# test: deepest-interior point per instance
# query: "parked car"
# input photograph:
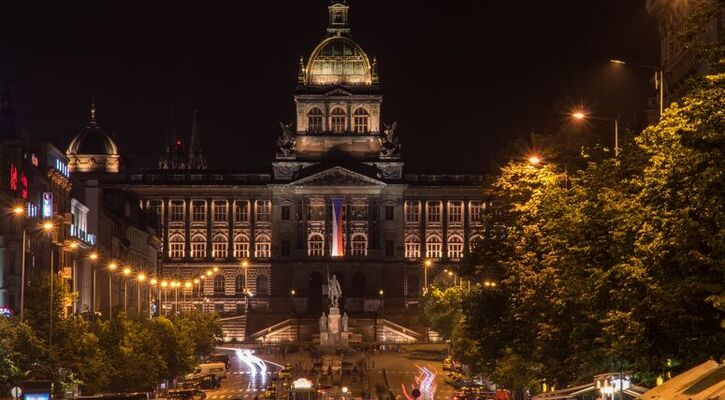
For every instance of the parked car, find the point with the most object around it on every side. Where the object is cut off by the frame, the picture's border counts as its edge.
(186, 394)
(203, 382)
(219, 369)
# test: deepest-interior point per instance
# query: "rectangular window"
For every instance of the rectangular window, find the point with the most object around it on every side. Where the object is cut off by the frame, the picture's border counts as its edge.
(476, 211)
(455, 251)
(262, 214)
(314, 123)
(359, 245)
(286, 213)
(220, 211)
(198, 250)
(338, 123)
(262, 250)
(434, 211)
(316, 248)
(241, 249)
(285, 248)
(219, 250)
(219, 307)
(389, 248)
(434, 250)
(360, 122)
(412, 250)
(455, 211)
(177, 211)
(241, 211)
(198, 211)
(412, 211)
(389, 213)
(176, 250)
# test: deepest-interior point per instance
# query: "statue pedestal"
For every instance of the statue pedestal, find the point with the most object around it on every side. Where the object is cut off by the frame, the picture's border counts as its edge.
(334, 337)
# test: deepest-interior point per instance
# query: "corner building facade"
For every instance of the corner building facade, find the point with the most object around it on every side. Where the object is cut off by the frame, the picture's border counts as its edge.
(337, 200)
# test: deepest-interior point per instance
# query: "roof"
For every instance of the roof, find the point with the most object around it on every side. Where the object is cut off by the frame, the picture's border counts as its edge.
(339, 60)
(92, 141)
(703, 382)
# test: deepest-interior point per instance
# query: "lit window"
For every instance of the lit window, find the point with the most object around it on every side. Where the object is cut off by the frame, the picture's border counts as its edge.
(316, 245)
(220, 211)
(176, 246)
(434, 211)
(239, 283)
(455, 247)
(455, 211)
(198, 246)
(338, 120)
(241, 211)
(360, 120)
(241, 246)
(359, 245)
(314, 120)
(476, 211)
(474, 241)
(263, 247)
(412, 211)
(177, 211)
(434, 247)
(262, 214)
(412, 247)
(198, 211)
(219, 284)
(219, 246)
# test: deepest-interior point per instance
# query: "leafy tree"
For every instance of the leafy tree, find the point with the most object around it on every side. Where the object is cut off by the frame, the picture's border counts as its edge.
(21, 352)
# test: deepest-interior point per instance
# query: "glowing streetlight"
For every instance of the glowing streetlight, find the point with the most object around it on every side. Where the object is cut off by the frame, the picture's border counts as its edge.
(615, 61)
(93, 256)
(209, 273)
(141, 277)
(534, 160)
(127, 271)
(196, 281)
(292, 292)
(578, 115)
(215, 269)
(48, 226)
(19, 210)
(164, 284)
(112, 266)
(153, 282)
(187, 284)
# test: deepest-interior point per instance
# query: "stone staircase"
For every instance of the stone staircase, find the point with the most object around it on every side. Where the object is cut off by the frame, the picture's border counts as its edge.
(234, 329)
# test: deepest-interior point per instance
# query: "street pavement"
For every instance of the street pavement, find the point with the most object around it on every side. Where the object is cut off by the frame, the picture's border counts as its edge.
(241, 383)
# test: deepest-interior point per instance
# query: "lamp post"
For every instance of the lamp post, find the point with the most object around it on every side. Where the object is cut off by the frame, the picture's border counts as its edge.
(20, 211)
(139, 280)
(111, 268)
(581, 115)
(381, 292)
(94, 293)
(164, 285)
(126, 273)
(48, 228)
(245, 265)
(292, 295)
(153, 282)
(187, 288)
(659, 78)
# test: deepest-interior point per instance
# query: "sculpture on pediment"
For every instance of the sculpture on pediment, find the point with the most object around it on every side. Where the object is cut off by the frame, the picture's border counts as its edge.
(286, 141)
(389, 143)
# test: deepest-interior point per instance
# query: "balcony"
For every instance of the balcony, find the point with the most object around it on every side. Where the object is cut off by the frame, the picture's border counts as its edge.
(83, 236)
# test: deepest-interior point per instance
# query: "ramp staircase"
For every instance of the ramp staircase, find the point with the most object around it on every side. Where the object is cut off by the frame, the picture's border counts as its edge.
(234, 328)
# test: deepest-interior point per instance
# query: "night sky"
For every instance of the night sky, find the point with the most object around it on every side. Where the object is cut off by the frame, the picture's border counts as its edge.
(464, 79)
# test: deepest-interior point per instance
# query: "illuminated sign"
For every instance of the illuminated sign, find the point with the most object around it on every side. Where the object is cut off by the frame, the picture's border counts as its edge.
(302, 383)
(32, 210)
(47, 206)
(24, 186)
(61, 167)
(13, 177)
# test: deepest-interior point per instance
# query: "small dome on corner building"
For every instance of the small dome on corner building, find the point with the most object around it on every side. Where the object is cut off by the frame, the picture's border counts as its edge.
(93, 150)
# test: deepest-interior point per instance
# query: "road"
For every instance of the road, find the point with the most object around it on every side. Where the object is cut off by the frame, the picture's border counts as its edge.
(244, 381)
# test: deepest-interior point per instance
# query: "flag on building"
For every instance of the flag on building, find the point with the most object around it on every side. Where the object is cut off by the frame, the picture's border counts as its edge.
(338, 245)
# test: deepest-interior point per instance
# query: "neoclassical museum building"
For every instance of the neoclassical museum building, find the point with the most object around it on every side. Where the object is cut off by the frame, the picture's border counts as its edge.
(336, 199)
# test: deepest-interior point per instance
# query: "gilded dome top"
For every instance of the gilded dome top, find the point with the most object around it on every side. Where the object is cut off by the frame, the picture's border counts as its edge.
(338, 60)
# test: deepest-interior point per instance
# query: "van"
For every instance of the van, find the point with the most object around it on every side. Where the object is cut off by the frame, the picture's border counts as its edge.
(219, 369)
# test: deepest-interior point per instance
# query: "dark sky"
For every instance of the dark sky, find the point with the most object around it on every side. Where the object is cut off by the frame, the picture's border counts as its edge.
(464, 79)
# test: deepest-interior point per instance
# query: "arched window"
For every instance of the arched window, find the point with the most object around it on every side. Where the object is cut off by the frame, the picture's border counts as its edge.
(434, 247)
(412, 246)
(219, 246)
(314, 120)
(241, 246)
(360, 121)
(474, 241)
(455, 247)
(359, 245)
(176, 246)
(316, 245)
(338, 120)
(198, 246)
(239, 284)
(263, 246)
(262, 285)
(219, 284)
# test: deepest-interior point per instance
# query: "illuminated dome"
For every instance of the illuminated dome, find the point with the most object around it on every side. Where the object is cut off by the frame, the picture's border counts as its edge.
(92, 141)
(339, 61)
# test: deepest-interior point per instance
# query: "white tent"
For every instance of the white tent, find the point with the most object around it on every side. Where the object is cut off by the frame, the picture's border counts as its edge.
(703, 382)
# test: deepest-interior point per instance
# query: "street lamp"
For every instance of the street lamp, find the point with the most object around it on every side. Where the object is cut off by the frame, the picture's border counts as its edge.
(153, 282)
(534, 160)
(381, 292)
(126, 273)
(20, 211)
(164, 285)
(580, 115)
(659, 78)
(93, 256)
(245, 265)
(48, 228)
(426, 264)
(112, 267)
(187, 288)
(139, 278)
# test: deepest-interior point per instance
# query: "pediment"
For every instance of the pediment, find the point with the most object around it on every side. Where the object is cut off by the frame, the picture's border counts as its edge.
(338, 92)
(337, 176)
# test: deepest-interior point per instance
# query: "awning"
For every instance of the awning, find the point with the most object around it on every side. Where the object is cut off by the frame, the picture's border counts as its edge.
(703, 382)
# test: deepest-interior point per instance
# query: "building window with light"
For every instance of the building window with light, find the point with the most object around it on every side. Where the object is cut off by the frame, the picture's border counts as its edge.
(476, 211)
(220, 211)
(455, 247)
(219, 284)
(455, 211)
(198, 211)
(338, 120)
(412, 247)
(241, 246)
(241, 211)
(176, 246)
(316, 245)
(314, 120)
(412, 212)
(359, 245)
(263, 247)
(262, 214)
(360, 121)
(434, 211)
(177, 211)
(219, 246)
(434, 247)
(198, 246)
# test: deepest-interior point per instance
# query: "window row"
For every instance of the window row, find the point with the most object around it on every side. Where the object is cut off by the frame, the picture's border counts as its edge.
(220, 210)
(220, 246)
(316, 245)
(433, 211)
(434, 246)
(240, 286)
(338, 120)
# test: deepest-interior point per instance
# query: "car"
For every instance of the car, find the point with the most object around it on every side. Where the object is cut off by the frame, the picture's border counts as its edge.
(218, 368)
(448, 364)
(186, 394)
(210, 381)
(286, 372)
